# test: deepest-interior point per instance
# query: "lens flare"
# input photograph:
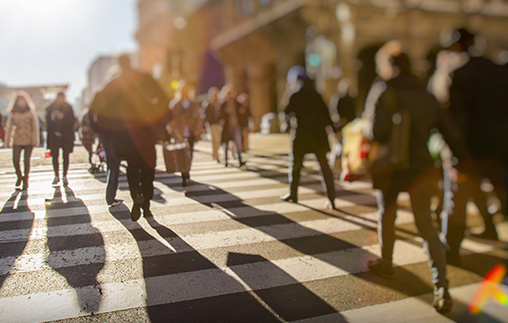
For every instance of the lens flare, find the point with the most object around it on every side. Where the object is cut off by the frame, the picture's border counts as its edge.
(489, 288)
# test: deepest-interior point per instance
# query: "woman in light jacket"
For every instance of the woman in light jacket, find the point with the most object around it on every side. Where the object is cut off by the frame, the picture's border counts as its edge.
(22, 134)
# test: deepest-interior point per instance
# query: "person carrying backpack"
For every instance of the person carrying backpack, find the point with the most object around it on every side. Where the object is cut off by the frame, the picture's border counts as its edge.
(404, 114)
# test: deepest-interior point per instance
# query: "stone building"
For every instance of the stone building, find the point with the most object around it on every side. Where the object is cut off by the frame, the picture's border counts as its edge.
(251, 44)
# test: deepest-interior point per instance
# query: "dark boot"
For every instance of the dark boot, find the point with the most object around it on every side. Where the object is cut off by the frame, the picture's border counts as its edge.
(136, 207)
(442, 301)
(289, 198)
(146, 209)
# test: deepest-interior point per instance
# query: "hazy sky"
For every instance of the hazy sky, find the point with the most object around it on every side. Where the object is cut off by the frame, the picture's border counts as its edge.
(55, 41)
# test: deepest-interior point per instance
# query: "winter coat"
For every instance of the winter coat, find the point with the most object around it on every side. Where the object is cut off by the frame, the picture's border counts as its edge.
(227, 118)
(406, 93)
(60, 122)
(212, 112)
(22, 130)
(310, 119)
(134, 109)
(183, 116)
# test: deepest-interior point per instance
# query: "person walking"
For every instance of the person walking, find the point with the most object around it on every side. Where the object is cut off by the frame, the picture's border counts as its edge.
(60, 122)
(231, 127)
(403, 115)
(310, 121)
(476, 100)
(139, 112)
(186, 122)
(211, 111)
(244, 117)
(22, 135)
(104, 119)
(87, 135)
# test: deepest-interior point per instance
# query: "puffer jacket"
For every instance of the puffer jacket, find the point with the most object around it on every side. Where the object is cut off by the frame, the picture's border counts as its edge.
(22, 130)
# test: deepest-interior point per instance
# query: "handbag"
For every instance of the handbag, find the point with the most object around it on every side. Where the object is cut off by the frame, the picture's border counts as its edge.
(177, 156)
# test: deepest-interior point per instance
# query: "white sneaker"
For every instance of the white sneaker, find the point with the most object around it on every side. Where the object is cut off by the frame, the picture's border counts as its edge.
(116, 203)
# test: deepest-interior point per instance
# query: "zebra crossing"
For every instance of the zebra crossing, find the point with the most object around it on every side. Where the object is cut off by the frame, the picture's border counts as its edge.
(223, 249)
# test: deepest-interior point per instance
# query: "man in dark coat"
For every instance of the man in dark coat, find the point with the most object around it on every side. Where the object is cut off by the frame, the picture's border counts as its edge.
(404, 100)
(310, 120)
(60, 123)
(104, 112)
(135, 111)
(478, 102)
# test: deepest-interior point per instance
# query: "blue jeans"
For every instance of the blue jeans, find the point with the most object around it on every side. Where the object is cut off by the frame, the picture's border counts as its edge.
(113, 163)
(420, 189)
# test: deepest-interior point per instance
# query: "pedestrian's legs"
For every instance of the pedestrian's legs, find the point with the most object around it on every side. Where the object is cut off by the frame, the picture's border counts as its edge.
(65, 156)
(226, 144)
(26, 157)
(454, 219)
(113, 164)
(215, 131)
(16, 156)
(134, 178)
(89, 149)
(55, 155)
(420, 202)
(134, 161)
(421, 193)
(148, 172)
(237, 138)
(245, 136)
(387, 208)
(294, 173)
(327, 177)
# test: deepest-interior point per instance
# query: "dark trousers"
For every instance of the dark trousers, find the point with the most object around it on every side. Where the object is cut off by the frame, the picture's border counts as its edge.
(141, 172)
(16, 158)
(55, 154)
(420, 190)
(454, 209)
(191, 141)
(296, 167)
(113, 163)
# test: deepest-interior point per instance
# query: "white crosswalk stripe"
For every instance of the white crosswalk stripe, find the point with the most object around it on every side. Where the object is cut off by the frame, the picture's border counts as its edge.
(226, 236)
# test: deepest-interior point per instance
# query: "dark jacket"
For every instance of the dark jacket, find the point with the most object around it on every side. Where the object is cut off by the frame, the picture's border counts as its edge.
(226, 116)
(182, 117)
(60, 122)
(405, 92)
(311, 117)
(479, 105)
(134, 108)
(212, 112)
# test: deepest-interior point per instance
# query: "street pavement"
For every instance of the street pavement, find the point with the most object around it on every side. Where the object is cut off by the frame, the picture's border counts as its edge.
(223, 249)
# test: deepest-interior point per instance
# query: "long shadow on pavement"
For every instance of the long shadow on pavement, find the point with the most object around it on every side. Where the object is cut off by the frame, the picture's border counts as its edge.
(317, 244)
(83, 278)
(17, 203)
(184, 286)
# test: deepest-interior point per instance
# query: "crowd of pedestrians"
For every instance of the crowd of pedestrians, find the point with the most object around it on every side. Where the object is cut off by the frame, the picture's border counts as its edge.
(132, 113)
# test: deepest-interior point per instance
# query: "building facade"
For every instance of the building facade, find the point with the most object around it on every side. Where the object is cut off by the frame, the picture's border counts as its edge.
(251, 44)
